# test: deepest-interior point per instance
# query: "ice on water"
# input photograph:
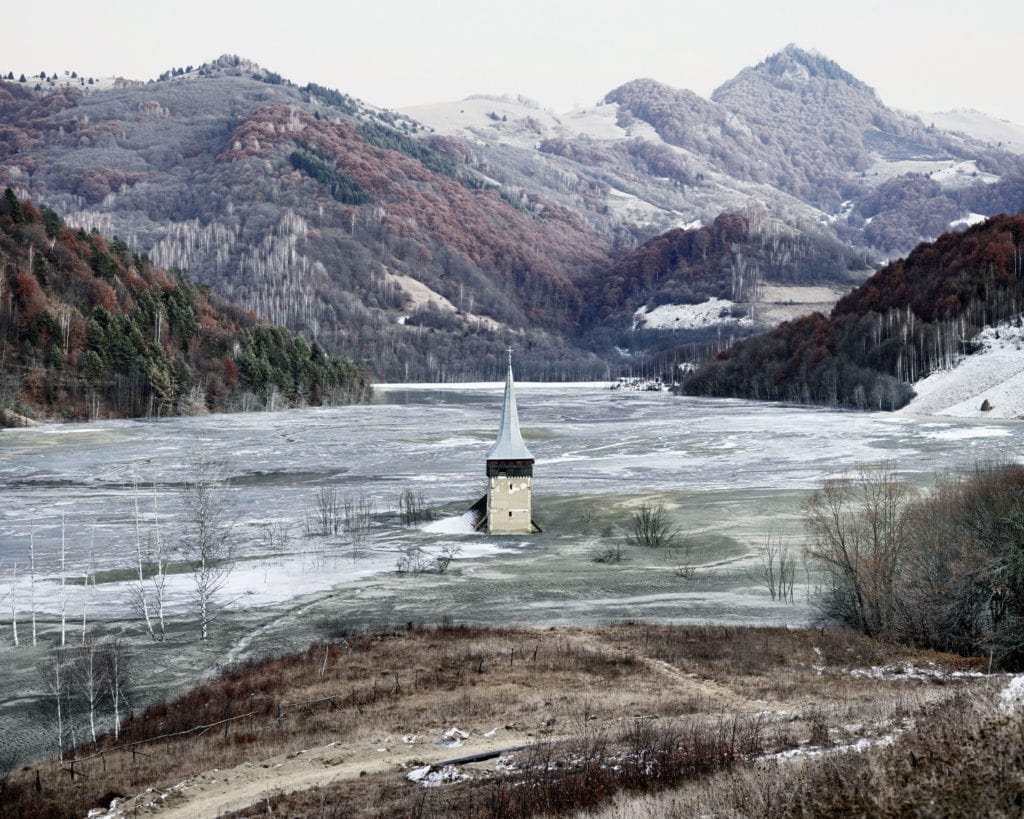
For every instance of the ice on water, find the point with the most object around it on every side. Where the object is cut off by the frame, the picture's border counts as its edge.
(587, 440)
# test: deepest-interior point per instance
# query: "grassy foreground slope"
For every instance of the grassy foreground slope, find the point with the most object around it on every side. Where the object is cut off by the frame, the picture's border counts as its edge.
(607, 716)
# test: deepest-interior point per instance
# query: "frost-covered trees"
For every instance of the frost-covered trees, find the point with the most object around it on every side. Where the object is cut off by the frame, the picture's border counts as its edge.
(207, 544)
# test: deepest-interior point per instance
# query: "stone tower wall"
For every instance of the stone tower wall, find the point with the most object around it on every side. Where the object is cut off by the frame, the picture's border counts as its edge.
(509, 508)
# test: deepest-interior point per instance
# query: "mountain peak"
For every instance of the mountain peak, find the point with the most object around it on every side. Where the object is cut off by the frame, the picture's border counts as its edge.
(795, 64)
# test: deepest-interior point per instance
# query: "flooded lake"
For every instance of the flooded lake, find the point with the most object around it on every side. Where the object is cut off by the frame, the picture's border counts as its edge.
(728, 470)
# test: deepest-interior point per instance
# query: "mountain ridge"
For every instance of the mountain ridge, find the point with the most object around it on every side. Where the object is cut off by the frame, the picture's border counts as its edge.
(318, 210)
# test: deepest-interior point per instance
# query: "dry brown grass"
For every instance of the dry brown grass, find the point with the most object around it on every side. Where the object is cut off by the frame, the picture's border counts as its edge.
(963, 757)
(569, 684)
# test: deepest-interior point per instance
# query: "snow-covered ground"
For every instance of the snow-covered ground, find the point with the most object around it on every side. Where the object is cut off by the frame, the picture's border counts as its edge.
(631, 207)
(688, 316)
(967, 221)
(995, 374)
(522, 122)
(950, 173)
(996, 132)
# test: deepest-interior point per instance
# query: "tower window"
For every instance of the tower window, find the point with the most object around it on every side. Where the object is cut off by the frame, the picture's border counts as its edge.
(510, 487)
(510, 514)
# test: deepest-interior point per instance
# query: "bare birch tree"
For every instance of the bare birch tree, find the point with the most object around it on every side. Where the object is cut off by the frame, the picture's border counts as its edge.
(63, 581)
(88, 677)
(159, 578)
(140, 598)
(54, 674)
(13, 594)
(206, 543)
(32, 578)
(117, 676)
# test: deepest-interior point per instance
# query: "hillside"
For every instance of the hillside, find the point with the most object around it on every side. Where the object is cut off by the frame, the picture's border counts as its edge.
(387, 724)
(89, 329)
(308, 207)
(421, 243)
(914, 317)
(796, 133)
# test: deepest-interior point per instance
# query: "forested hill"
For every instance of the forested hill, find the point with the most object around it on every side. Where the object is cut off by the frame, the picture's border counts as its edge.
(914, 316)
(89, 329)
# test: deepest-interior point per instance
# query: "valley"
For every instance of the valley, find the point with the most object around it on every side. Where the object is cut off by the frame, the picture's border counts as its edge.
(244, 580)
(319, 211)
(729, 473)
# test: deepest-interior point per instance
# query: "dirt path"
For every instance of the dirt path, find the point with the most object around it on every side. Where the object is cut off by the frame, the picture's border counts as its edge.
(219, 791)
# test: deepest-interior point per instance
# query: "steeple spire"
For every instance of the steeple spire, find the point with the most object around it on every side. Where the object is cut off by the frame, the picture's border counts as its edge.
(510, 445)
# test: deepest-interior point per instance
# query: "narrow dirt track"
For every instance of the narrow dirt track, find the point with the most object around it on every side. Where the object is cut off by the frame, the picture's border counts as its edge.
(221, 791)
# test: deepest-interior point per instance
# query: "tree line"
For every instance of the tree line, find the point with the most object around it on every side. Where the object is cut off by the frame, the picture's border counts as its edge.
(90, 329)
(913, 317)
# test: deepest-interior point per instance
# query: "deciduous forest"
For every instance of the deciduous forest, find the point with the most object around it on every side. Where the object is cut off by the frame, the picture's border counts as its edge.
(89, 329)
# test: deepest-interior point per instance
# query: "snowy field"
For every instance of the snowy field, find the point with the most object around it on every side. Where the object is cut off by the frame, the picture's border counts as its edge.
(714, 311)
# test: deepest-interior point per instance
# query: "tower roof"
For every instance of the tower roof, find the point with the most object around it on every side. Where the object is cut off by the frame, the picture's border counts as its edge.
(509, 446)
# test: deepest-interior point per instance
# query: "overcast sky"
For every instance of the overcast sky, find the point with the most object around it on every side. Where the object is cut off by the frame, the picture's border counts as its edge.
(918, 55)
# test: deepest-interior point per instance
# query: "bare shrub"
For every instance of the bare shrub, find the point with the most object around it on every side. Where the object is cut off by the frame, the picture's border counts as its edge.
(444, 558)
(412, 560)
(611, 552)
(856, 538)
(274, 535)
(324, 517)
(207, 544)
(651, 527)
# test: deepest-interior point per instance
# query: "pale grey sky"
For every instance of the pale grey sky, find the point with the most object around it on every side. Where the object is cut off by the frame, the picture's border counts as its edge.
(918, 55)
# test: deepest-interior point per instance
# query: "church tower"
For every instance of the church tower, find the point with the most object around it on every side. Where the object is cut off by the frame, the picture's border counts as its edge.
(509, 472)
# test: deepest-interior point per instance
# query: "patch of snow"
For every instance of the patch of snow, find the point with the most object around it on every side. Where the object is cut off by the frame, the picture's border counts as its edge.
(912, 672)
(712, 312)
(455, 525)
(418, 774)
(949, 173)
(1012, 697)
(521, 122)
(627, 206)
(961, 174)
(968, 220)
(452, 738)
(998, 133)
(420, 295)
(995, 373)
(430, 777)
(857, 746)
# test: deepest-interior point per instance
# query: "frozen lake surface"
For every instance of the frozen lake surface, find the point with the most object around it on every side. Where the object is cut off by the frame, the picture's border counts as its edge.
(588, 441)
